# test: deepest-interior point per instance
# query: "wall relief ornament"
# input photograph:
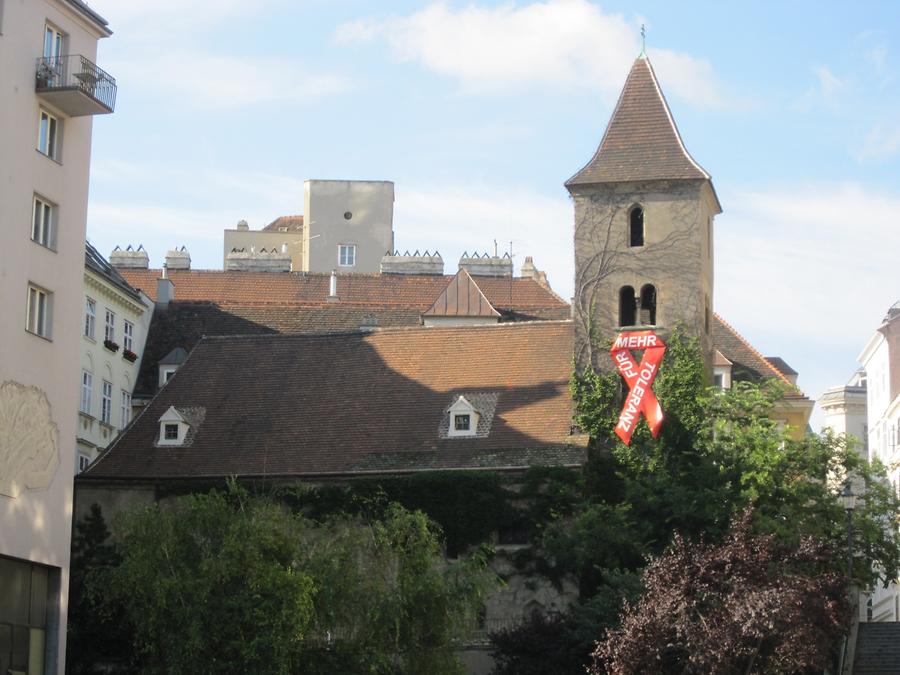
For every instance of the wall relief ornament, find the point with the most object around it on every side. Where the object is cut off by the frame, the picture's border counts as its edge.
(29, 455)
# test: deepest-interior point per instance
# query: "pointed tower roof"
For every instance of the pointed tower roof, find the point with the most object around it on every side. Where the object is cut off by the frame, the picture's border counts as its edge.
(641, 141)
(462, 297)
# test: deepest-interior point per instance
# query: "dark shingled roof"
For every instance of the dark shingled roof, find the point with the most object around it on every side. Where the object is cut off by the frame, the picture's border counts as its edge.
(100, 265)
(294, 405)
(641, 141)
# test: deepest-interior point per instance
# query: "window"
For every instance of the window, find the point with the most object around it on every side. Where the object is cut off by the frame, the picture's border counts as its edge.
(42, 221)
(173, 428)
(90, 317)
(636, 227)
(109, 333)
(53, 42)
(706, 314)
(171, 432)
(648, 305)
(126, 408)
(87, 385)
(83, 462)
(40, 307)
(167, 374)
(128, 340)
(627, 306)
(719, 380)
(462, 422)
(463, 418)
(48, 135)
(26, 603)
(347, 255)
(106, 402)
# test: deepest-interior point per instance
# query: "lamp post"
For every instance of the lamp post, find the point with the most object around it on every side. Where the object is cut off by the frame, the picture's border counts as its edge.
(848, 501)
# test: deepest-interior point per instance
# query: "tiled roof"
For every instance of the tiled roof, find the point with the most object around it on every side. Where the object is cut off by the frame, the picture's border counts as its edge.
(462, 297)
(293, 405)
(748, 364)
(641, 141)
(93, 260)
(292, 223)
(298, 288)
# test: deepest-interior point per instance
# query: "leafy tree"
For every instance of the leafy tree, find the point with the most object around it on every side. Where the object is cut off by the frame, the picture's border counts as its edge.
(225, 582)
(718, 454)
(747, 605)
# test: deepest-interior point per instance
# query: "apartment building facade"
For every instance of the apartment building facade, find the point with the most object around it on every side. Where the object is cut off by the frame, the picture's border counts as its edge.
(116, 320)
(51, 89)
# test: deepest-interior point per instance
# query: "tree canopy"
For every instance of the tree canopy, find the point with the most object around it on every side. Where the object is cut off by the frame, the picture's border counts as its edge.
(228, 582)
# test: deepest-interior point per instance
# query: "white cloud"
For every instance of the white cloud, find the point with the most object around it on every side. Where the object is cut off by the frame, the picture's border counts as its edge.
(882, 141)
(808, 273)
(561, 44)
(827, 91)
(225, 82)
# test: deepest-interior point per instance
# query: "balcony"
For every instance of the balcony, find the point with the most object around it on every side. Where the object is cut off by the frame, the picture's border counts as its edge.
(75, 85)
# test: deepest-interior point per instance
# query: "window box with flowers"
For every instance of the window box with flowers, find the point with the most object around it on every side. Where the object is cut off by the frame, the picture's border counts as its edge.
(129, 355)
(110, 345)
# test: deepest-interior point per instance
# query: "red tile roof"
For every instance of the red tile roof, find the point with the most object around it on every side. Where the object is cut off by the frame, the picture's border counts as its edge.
(292, 223)
(298, 288)
(349, 403)
(641, 141)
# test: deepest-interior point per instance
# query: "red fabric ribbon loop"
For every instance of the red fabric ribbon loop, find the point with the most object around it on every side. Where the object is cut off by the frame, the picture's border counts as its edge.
(641, 398)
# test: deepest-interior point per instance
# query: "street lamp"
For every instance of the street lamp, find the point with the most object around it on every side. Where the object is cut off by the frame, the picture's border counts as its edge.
(848, 501)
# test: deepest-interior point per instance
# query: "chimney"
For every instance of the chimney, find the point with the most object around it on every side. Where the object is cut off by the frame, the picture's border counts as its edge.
(415, 263)
(165, 290)
(130, 258)
(178, 259)
(487, 265)
(332, 288)
(528, 269)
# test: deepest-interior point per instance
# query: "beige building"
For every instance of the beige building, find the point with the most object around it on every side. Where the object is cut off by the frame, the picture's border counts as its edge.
(347, 227)
(50, 88)
(116, 320)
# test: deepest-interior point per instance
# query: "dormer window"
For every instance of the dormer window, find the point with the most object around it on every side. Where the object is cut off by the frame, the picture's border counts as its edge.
(463, 418)
(173, 428)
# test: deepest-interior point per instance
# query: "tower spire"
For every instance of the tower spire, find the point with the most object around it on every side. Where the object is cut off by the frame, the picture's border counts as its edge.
(643, 53)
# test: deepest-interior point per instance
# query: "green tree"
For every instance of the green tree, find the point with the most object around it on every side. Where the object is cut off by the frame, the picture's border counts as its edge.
(225, 582)
(718, 454)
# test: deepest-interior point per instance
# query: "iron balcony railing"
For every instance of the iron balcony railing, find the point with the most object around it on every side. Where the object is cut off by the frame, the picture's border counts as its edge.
(75, 72)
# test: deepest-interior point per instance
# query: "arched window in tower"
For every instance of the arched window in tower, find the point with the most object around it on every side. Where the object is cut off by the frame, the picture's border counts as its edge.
(636, 227)
(648, 305)
(627, 306)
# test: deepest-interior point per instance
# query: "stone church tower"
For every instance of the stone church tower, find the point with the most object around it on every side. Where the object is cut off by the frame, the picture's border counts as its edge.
(644, 213)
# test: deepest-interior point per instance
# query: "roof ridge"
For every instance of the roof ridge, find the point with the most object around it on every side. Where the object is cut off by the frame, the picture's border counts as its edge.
(755, 351)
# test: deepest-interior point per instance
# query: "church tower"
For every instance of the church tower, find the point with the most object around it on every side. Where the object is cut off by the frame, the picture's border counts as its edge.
(644, 213)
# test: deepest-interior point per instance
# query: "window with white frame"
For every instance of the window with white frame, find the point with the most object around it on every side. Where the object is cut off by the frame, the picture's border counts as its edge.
(40, 307)
(87, 387)
(347, 255)
(126, 409)
(83, 462)
(48, 135)
(106, 402)
(463, 418)
(173, 428)
(90, 317)
(109, 332)
(128, 333)
(43, 218)
(53, 42)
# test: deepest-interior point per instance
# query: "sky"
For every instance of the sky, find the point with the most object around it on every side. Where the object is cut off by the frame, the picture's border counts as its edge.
(480, 111)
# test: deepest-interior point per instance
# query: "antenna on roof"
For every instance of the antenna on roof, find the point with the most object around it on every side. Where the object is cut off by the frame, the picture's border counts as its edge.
(643, 53)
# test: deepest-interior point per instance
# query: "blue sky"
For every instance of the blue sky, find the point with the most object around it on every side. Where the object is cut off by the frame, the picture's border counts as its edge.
(480, 111)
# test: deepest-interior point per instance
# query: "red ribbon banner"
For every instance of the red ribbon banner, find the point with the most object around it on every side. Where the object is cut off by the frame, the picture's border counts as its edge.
(641, 398)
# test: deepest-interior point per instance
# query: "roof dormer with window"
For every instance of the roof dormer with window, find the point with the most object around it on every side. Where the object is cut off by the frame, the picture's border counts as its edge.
(463, 418)
(173, 428)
